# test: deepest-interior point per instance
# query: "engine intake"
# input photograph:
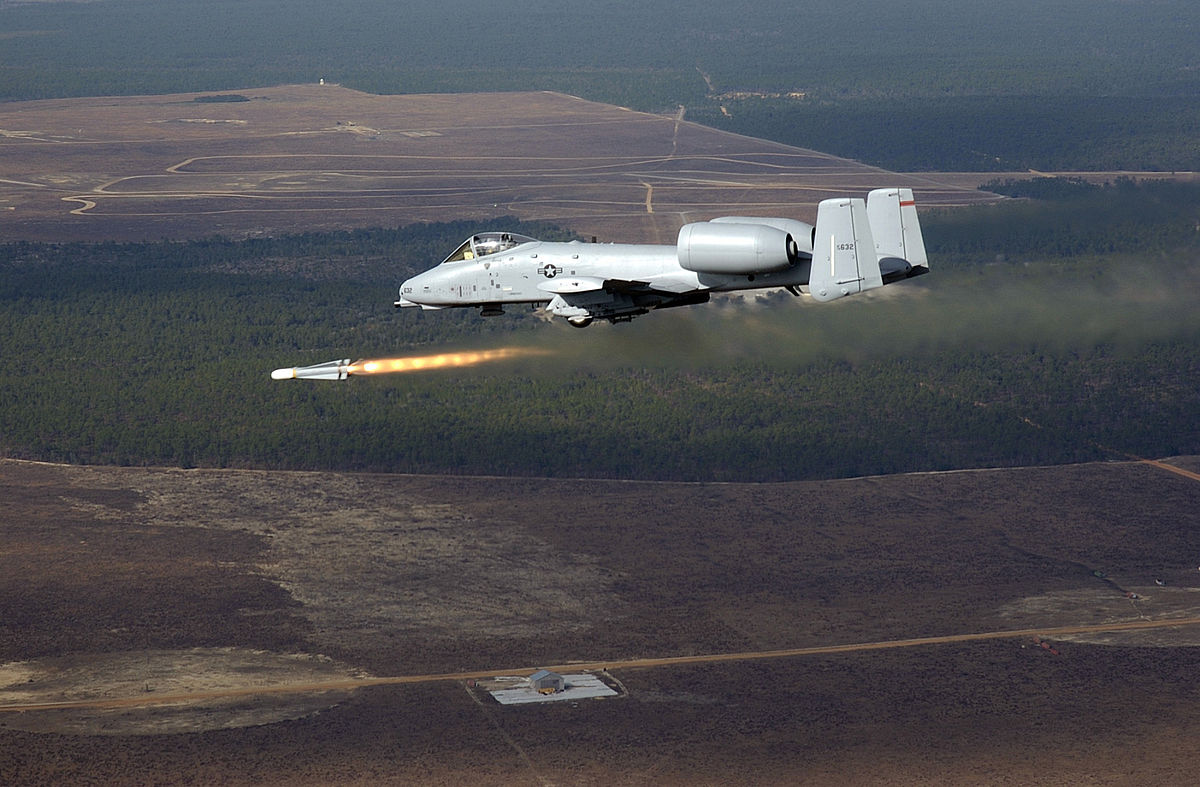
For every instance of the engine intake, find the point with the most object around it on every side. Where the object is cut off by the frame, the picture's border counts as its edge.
(736, 249)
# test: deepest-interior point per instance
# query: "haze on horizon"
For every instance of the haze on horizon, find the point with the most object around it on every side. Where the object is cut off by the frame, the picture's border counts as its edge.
(925, 47)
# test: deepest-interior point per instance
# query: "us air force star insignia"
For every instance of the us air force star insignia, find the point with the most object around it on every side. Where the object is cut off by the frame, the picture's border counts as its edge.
(549, 270)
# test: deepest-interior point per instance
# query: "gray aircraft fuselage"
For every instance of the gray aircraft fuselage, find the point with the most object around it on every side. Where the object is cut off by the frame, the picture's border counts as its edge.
(513, 276)
(856, 245)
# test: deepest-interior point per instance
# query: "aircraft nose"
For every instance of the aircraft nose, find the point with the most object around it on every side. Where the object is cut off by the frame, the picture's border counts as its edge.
(424, 288)
(408, 292)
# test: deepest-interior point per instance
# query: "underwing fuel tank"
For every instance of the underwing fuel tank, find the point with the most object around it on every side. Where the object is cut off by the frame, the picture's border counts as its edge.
(330, 370)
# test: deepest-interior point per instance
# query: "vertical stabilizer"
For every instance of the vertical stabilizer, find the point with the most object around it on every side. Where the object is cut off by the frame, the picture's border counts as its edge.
(894, 225)
(844, 261)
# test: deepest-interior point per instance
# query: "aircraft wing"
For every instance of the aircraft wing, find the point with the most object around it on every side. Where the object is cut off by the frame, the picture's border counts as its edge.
(580, 284)
(572, 284)
(662, 286)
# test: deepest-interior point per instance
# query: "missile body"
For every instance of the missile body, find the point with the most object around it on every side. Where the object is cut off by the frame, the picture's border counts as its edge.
(330, 370)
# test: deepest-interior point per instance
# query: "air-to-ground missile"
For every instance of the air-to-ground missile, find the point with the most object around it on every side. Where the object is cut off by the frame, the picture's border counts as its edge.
(340, 370)
(330, 370)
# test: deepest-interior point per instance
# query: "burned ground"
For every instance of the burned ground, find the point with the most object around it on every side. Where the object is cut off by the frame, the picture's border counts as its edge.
(401, 575)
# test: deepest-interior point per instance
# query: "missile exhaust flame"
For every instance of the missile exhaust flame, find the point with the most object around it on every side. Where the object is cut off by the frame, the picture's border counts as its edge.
(441, 361)
(340, 370)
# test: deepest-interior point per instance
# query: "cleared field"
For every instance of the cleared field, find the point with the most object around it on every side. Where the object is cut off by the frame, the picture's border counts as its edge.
(120, 582)
(321, 157)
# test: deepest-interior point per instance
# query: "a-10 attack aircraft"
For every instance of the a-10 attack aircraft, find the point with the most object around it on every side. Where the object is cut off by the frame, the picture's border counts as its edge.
(857, 245)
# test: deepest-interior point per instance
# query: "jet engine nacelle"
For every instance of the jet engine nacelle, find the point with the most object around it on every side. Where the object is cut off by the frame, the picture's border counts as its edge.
(801, 231)
(737, 249)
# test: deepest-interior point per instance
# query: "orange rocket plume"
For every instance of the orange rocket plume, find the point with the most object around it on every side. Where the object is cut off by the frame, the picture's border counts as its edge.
(441, 361)
(340, 370)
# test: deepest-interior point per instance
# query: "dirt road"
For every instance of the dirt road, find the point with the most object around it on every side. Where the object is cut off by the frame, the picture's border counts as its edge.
(645, 663)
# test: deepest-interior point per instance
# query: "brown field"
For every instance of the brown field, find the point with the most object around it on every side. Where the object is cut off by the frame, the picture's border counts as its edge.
(219, 588)
(322, 157)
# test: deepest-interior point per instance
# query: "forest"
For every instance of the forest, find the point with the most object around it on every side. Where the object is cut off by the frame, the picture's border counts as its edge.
(980, 133)
(1050, 331)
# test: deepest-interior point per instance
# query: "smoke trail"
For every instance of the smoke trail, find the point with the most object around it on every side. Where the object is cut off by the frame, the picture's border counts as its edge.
(1122, 303)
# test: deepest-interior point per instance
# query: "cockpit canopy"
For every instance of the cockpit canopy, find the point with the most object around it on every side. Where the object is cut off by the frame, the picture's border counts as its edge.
(486, 243)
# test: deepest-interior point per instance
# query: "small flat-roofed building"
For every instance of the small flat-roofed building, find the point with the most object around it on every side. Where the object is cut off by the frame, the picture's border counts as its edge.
(541, 687)
(546, 682)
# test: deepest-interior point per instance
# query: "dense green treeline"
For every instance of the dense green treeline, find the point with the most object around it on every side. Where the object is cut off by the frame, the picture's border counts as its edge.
(980, 133)
(1069, 218)
(160, 353)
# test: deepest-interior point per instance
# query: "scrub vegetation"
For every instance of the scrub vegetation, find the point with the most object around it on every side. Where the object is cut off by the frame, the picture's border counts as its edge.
(927, 85)
(1037, 340)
